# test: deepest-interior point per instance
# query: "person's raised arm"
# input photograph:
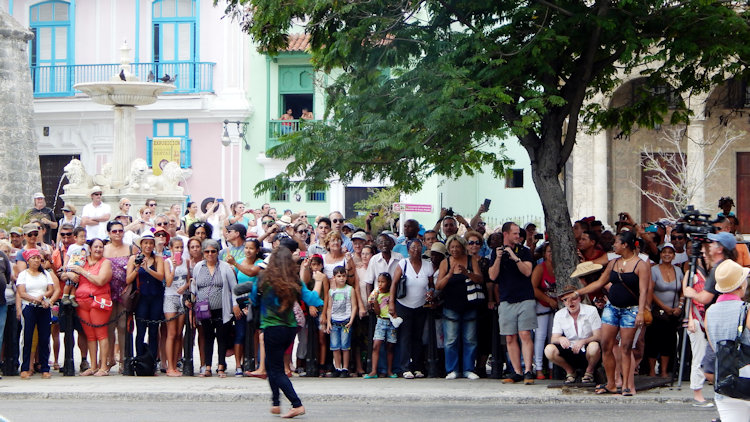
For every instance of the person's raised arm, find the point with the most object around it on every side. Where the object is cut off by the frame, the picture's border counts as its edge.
(477, 216)
(598, 284)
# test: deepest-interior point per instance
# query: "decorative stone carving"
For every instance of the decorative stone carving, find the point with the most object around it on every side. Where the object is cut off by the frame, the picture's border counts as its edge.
(137, 181)
(80, 181)
(168, 180)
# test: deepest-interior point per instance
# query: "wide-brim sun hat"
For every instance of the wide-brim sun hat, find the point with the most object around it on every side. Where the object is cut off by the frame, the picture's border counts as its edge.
(585, 268)
(729, 276)
(145, 236)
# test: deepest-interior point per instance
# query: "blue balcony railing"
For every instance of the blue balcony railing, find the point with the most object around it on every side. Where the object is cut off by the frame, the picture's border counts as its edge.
(277, 128)
(58, 81)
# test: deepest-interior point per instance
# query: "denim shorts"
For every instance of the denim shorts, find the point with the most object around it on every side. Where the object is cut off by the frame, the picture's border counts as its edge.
(341, 336)
(384, 330)
(619, 317)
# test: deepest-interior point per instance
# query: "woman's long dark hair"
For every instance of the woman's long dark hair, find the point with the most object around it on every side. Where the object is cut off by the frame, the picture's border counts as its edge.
(198, 224)
(282, 275)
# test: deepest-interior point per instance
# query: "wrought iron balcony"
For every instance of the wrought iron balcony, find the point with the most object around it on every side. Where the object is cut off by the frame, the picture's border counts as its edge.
(58, 81)
(278, 128)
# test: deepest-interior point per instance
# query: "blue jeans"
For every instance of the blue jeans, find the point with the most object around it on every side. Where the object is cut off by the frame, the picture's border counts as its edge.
(39, 318)
(341, 336)
(460, 330)
(3, 318)
(149, 308)
(277, 339)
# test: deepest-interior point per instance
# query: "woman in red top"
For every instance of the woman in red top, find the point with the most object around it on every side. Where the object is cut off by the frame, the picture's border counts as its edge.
(95, 304)
(543, 280)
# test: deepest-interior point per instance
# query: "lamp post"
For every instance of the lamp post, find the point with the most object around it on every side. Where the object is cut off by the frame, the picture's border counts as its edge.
(226, 140)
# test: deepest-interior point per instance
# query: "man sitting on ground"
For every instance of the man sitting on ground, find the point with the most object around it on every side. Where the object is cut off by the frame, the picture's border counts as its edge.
(576, 333)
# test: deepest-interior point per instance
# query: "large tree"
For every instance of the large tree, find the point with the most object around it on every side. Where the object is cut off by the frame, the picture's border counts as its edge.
(435, 86)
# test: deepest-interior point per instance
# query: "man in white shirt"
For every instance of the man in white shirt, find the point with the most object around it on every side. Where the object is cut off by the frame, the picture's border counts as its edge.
(384, 262)
(95, 215)
(576, 336)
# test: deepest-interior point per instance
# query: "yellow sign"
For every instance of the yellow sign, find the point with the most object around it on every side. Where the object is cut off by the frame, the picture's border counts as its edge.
(164, 150)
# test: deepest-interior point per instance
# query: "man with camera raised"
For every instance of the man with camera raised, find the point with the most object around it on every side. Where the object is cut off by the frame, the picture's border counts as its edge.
(511, 271)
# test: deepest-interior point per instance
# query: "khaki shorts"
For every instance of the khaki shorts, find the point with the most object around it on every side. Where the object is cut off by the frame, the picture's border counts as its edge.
(515, 317)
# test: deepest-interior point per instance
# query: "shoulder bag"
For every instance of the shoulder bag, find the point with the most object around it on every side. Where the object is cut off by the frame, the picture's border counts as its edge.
(732, 364)
(401, 287)
(648, 317)
(202, 307)
(130, 295)
(474, 292)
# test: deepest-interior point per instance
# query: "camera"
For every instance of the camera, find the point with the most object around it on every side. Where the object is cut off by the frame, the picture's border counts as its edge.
(449, 212)
(139, 259)
(623, 216)
(695, 224)
(539, 236)
(374, 213)
(243, 291)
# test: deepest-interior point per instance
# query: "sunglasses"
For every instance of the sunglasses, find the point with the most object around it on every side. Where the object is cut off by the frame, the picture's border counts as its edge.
(210, 251)
(199, 224)
(126, 205)
(162, 224)
(338, 220)
(481, 223)
(66, 234)
(303, 232)
(268, 223)
(34, 233)
(161, 234)
(152, 205)
(67, 211)
(474, 242)
(117, 231)
(679, 237)
(97, 194)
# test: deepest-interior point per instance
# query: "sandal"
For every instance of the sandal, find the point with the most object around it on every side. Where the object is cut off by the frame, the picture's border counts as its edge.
(588, 377)
(626, 392)
(88, 372)
(602, 389)
(206, 373)
(222, 373)
(101, 373)
(570, 379)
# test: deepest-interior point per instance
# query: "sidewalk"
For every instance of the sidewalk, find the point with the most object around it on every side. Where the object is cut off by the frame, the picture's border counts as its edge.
(214, 389)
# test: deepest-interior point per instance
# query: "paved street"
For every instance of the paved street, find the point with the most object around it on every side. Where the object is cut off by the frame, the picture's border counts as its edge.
(370, 410)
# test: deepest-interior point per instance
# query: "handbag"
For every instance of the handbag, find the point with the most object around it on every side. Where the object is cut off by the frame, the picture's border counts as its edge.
(202, 307)
(103, 302)
(732, 364)
(130, 296)
(401, 286)
(474, 292)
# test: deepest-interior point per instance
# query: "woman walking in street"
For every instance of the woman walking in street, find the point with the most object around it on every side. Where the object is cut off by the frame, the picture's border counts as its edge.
(279, 288)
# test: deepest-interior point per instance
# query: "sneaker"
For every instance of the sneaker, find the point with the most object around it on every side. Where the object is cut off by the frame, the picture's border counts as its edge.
(65, 301)
(451, 376)
(470, 375)
(513, 379)
(528, 378)
(418, 374)
(84, 365)
(408, 375)
(73, 302)
(704, 404)
(344, 373)
(238, 373)
(336, 373)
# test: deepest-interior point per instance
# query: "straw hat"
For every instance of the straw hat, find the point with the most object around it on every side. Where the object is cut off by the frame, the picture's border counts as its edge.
(729, 276)
(586, 268)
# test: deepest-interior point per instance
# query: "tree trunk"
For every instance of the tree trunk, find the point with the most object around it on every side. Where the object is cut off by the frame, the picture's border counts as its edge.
(545, 174)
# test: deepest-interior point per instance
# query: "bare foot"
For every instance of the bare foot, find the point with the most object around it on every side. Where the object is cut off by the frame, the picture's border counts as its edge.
(275, 410)
(297, 411)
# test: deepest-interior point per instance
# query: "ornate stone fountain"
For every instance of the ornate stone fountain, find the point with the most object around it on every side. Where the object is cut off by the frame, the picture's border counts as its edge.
(127, 175)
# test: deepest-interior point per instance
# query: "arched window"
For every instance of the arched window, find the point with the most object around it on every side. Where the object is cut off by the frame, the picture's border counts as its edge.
(175, 41)
(51, 50)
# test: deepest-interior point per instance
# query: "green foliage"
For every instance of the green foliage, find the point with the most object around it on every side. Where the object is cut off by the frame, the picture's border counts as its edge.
(16, 217)
(380, 201)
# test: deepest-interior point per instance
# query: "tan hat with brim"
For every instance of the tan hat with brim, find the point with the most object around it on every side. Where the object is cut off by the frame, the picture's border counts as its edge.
(729, 276)
(585, 268)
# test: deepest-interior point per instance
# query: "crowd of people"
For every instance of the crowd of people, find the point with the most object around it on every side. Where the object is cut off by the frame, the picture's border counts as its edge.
(379, 303)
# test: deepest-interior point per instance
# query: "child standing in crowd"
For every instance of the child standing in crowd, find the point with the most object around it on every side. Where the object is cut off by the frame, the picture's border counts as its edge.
(76, 255)
(343, 304)
(384, 329)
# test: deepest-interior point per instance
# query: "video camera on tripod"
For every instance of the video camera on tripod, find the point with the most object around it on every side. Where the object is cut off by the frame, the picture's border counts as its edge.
(696, 225)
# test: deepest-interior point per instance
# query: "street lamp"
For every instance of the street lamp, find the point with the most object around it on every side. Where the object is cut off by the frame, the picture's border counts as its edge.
(241, 130)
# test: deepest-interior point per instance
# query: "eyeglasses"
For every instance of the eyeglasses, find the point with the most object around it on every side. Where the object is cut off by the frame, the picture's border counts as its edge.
(67, 211)
(66, 234)
(338, 220)
(474, 242)
(303, 231)
(34, 233)
(117, 231)
(162, 224)
(481, 223)
(679, 237)
(152, 205)
(210, 251)
(160, 234)
(126, 205)
(199, 225)
(97, 194)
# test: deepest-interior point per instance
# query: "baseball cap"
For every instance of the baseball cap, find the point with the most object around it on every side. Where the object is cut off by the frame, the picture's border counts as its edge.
(38, 195)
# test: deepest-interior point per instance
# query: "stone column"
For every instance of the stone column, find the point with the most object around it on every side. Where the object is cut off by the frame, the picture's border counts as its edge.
(696, 162)
(20, 173)
(124, 145)
(600, 179)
